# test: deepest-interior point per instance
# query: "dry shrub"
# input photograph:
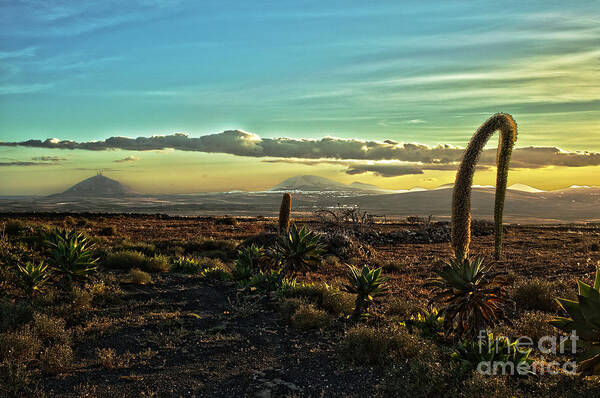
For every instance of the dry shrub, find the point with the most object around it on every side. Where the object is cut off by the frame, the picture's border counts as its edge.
(56, 359)
(21, 345)
(125, 259)
(307, 317)
(50, 329)
(81, 300)
(137, 277)
(364, 345)
(157, 263)
(109, 359)
(534, 324)
(539, 294)
(403, 307)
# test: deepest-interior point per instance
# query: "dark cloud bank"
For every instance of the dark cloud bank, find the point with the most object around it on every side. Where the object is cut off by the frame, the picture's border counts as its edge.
(418, 157)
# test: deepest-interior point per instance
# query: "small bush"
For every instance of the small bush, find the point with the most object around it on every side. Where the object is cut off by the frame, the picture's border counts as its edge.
(289, 306)
(137, 277)
(50, 329)
(331, 260)
(56, 359)
(157, 264)
(539, 294)
(365, 345)
(308, 317)
(125, 259)
(186, 265)
(21, 345)
(148, 249)
(109, 359)
(81, 300)
(402, 307)
(393, 266)
(326, 297)
(534, 324)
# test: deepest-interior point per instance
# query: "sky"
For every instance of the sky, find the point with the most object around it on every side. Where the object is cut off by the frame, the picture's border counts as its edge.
(246, 94)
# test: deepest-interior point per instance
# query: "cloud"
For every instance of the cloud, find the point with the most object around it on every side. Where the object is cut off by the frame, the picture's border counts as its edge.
(19, 163)
(242, 143)
(49, 158)
(129, 158)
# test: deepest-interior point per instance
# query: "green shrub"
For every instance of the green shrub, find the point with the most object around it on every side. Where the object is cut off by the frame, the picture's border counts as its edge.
(297, 251)
(186, 265)
(428, 323)
(32, 277)
(250, 260)
(365, 345)
(268, 281)
(495, 351)
(366, 284)
(215, 274)
(584, 318)
(308, 317)
(470, 297)
(71, 254)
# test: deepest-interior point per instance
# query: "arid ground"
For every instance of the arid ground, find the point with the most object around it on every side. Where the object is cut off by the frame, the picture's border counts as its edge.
(195, 335)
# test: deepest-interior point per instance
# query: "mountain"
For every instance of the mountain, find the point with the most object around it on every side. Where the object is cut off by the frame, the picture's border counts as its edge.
(98, 186)
(524, 188)
(313, 183)
(365, 187)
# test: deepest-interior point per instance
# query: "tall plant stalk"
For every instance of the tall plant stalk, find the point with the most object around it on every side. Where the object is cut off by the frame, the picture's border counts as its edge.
(461, 197)
(284, 213)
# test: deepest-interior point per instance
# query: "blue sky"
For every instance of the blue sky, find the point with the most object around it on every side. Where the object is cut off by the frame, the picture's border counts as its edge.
(427, 72)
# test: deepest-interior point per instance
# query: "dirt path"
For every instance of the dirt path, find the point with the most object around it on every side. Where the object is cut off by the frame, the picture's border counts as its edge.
(191, 338)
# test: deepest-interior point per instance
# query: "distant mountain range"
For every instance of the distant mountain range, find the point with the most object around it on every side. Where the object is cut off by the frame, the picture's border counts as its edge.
(310, 183)
(524, 204)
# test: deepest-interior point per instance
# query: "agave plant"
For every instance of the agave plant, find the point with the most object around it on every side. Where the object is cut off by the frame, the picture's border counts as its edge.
(429, 323)
(495, 351)
(33, 276)
(584, 318)
(71, 254)
(471, 298)
(367, 284)
(297, 249)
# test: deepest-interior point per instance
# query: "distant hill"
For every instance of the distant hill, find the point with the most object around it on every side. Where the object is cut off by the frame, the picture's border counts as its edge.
(310, 183)
(98, 186)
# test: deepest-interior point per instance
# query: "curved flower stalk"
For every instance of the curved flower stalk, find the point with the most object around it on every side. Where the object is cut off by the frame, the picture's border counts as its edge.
(461, 197)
